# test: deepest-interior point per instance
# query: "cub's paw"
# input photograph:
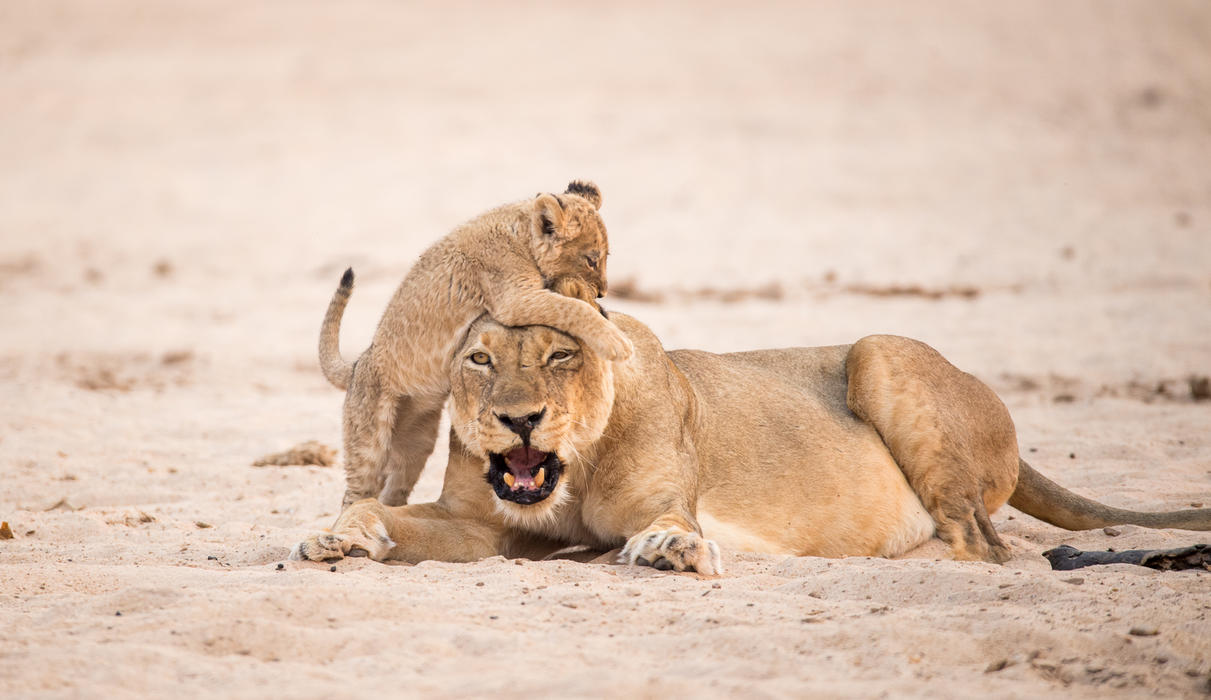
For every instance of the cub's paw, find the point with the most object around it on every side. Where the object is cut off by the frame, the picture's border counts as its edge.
(356, 534)
(673, 549)
(615, 346)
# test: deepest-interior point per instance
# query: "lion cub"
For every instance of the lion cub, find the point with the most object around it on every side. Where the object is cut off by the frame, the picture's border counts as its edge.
(504, 262)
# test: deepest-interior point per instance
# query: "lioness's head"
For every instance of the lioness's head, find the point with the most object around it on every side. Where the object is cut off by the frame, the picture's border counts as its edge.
(532, 402)
(568, 236)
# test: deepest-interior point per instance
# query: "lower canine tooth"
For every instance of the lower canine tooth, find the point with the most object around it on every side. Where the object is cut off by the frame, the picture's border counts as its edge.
(509, 479)
(540, 477)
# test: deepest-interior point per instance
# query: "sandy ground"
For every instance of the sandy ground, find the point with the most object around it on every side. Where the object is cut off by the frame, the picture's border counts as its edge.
(1026, 186)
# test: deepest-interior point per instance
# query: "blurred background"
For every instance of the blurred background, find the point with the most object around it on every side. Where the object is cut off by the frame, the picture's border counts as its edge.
(983, 176)
(1025, 186)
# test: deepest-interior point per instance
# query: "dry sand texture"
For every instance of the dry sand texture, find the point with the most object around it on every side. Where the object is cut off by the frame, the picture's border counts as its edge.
(1026, 186)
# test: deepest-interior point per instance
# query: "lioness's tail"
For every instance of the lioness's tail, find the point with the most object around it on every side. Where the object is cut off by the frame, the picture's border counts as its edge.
(1048, 501)
(336, 370)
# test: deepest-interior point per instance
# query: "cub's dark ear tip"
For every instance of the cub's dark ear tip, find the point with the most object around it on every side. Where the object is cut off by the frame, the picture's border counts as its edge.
(347, 278)
(585, 189)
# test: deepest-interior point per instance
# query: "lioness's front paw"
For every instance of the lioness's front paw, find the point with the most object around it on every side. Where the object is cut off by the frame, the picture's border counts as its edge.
(673, 549)
(358, 533)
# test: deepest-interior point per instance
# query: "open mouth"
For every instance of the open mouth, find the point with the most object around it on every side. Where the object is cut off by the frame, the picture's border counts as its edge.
(524, 475)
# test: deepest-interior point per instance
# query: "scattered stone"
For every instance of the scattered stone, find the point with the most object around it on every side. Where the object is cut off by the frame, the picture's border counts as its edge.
(202, 526)
(1071, 455)
(6, 533)
(1200, 387)
(332, 568)
(281, 566)
(1112, 531)
(211, 557)
(176, 357)
(1074, 581)
(1143, 631)
(999, 665)
(1196, 505)
(310, 453)
(118, 614)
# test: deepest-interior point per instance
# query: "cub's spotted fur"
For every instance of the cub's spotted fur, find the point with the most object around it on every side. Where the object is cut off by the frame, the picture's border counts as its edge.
(504, 262)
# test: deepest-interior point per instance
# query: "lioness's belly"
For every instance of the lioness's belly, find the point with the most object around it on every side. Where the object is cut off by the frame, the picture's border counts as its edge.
(786, 467)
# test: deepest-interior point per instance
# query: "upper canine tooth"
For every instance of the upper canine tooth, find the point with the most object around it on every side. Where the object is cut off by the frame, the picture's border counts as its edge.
(540, 477)
(509, 479)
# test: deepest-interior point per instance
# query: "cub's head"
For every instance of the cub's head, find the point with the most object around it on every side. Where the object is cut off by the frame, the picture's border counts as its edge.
(568, 237)
(532, 402)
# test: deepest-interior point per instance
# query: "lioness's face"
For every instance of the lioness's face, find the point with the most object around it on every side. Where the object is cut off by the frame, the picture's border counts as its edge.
(532, 402)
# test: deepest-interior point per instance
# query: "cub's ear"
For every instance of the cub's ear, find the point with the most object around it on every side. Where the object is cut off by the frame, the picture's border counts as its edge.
(549, 218)
(585, 189)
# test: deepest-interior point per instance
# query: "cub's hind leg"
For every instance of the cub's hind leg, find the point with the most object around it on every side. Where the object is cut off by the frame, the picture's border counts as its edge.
(949, 433)
(412, 440)
(369, 417)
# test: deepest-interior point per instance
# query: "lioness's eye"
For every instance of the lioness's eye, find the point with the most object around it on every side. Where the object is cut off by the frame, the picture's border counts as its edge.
(591, 260)
(481, 358)
(559, 355)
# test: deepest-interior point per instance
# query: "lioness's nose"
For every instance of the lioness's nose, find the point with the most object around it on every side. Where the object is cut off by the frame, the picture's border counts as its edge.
(522, 425)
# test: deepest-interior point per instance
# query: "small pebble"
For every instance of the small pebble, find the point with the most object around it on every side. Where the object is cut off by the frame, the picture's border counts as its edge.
(281, 566)
(1144, 631)
(211, 557)
(332, 568)
(1071, 455)
(118, 614)
(1112, 531)
(1074, 581)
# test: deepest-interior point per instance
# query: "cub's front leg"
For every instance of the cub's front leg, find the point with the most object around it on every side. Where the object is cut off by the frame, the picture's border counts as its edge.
(672, 542)
(570, 315)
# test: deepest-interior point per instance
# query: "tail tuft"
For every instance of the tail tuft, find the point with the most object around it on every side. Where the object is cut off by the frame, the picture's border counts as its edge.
(336, 370)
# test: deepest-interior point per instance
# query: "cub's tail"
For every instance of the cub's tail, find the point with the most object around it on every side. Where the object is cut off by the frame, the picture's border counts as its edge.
(1048, 501)
(336, 370)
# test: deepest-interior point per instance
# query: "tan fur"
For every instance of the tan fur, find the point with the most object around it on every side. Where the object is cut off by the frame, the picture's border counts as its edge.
(832, 451)
(504, 262)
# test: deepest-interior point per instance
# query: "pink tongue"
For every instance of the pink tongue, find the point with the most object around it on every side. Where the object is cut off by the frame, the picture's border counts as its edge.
(521, 461)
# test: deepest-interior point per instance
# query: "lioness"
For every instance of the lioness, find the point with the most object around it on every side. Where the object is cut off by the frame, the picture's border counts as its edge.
(863, 449)
(504, 262)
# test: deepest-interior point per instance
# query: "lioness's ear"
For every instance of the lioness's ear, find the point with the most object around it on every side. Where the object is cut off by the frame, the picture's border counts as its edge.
(549, 219)
(585, 189)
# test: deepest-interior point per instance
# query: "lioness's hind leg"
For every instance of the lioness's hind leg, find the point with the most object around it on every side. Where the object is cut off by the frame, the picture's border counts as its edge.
(949, 433)
(412, 441)
(962, 522)
(369, 418)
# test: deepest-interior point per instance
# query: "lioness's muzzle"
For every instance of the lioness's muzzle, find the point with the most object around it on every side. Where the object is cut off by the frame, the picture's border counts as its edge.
(524, 475)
